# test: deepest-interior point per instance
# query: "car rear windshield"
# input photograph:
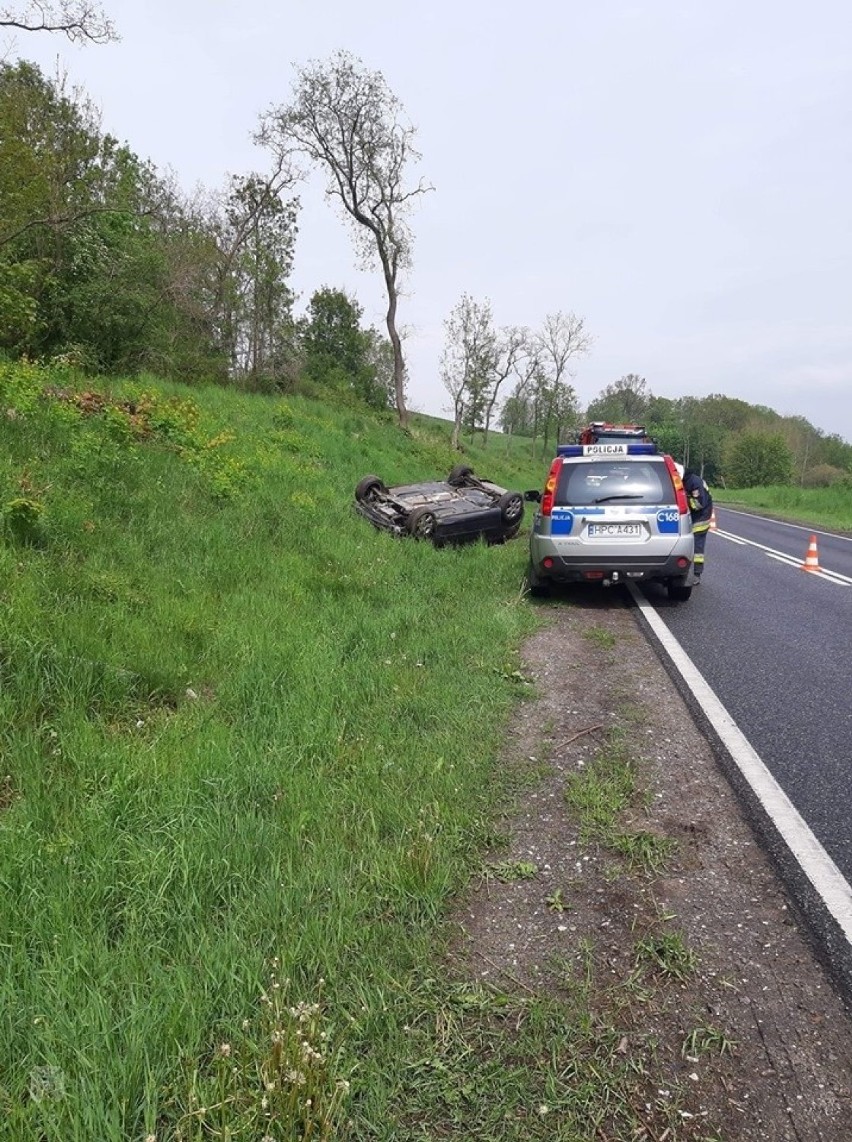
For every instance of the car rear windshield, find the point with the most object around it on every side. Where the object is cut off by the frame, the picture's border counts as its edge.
(586, 482)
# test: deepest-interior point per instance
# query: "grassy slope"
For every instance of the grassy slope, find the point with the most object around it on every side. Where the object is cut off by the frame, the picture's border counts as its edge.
(814, 507)
(238, 724)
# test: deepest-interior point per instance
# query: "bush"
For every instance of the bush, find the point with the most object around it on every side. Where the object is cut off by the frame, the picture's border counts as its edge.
(824, 476)
(755, 459)
(22, 520)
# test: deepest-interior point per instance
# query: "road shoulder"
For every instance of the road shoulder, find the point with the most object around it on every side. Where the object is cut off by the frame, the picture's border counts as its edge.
(747, 1038)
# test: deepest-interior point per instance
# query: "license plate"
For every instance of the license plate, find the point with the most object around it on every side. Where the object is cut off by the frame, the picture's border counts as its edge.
(615, 530)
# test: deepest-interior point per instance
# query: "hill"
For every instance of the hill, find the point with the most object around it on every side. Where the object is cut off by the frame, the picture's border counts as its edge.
(245, 737)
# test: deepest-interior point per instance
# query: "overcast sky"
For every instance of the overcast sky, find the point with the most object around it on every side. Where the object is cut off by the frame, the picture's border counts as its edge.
(678, 173)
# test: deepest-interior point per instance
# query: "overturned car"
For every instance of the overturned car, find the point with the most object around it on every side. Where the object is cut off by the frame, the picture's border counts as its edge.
(460, 509)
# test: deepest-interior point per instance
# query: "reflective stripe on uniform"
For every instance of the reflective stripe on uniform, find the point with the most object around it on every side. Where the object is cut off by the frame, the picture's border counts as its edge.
(703, 526)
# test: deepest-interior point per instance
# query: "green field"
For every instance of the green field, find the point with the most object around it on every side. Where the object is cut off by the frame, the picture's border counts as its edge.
(814, 507)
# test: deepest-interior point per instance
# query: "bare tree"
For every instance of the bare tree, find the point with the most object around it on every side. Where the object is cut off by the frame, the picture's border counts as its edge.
(526, 368)
(346, 120)
(511, 345)
(468, 360)
(81, 21)
(563, 337)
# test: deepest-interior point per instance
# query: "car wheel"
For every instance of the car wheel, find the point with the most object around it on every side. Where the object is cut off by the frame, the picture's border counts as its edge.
(459, 474)
(511, 505)
(538, 587)
(678, 593)
(422, 524)
(368, 487)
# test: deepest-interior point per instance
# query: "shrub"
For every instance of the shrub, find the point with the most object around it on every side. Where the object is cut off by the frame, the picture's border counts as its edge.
(22, 520)
(823, 476)
(758, 459)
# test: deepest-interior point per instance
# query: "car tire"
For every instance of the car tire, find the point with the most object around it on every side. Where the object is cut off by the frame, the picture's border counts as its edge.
(511, 505)
(539, 588)
(368, 487)
(458, 475)
(422, 524)
(678, 592)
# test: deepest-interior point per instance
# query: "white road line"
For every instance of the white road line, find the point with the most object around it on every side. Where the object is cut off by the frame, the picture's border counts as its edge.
(823, 573)
(820, 869)
(786, 523)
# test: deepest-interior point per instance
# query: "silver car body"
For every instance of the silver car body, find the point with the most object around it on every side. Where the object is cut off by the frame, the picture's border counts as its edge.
(614, 516)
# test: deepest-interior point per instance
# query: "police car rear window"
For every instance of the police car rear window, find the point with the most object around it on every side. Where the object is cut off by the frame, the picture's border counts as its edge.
(584, 483)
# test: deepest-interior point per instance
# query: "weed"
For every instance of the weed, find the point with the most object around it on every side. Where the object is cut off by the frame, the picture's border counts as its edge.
(666, 952)
(555, 902)
(603, 790)
(513, 675)
(510, 870)
(600, 636)
(707, 1041)
(600, 794)
(486, 1064)
(276, 1075)
(644, 850)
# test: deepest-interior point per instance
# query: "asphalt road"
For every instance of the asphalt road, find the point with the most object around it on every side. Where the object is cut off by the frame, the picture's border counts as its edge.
(775, 644)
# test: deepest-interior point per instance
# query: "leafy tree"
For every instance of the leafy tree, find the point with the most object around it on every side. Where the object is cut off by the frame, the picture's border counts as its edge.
(332, 334)
(625, 401)
(468, 361)
(345, 119)
(380, 361)
(758, 459)
(58, 179)
(834, 450)
(338, 353)
(103, 258)
(256, 248)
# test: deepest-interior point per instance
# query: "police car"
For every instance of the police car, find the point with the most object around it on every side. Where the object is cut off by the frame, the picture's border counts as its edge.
(613, 510)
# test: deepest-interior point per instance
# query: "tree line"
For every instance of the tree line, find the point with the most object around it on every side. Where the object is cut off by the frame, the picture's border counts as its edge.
(107, 265)
(526, 376)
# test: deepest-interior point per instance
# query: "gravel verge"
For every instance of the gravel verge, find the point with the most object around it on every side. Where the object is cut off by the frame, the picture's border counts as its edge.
(748, 1037)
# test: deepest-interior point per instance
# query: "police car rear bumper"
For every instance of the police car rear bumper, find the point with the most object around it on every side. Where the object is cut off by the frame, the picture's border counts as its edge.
(580, 568)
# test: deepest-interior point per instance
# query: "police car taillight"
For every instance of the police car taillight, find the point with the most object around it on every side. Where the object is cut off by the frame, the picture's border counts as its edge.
(550, 487)
(680, 492)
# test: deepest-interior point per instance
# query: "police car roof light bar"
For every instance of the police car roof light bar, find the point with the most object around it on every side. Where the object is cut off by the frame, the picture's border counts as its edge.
(610, 448)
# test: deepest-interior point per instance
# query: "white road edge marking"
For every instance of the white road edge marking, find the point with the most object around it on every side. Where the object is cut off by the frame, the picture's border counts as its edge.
(823, 573)
(812, 858)
(786, 523)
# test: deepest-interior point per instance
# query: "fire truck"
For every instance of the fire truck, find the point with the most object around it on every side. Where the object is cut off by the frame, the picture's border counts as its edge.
(602, 432)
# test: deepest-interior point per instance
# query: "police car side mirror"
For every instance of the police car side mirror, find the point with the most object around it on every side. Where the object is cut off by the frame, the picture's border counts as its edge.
(533, 495)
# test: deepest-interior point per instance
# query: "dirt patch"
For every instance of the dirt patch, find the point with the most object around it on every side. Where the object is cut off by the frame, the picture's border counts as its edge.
(698, 959)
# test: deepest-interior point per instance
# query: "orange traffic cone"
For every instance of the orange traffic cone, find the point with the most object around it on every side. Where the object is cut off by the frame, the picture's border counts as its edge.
(713, 520)
(811, 562)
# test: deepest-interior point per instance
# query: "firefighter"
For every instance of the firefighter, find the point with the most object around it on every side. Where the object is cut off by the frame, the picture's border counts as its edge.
(701, 509)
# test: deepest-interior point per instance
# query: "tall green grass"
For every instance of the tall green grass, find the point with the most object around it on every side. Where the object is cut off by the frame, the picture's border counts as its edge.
(815, 507)
(239, 728)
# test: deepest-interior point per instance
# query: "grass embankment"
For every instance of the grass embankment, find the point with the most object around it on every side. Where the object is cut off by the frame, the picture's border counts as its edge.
(249, 751)
(830, 508)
